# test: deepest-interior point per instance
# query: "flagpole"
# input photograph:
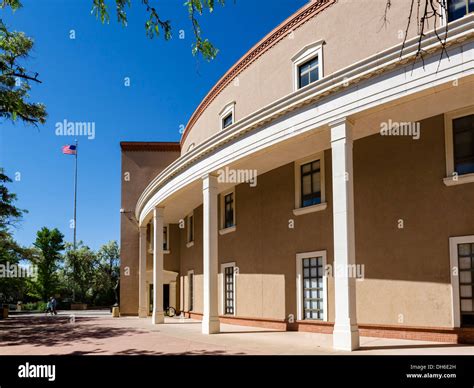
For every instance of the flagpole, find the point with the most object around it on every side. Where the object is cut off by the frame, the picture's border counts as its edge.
(75, 197)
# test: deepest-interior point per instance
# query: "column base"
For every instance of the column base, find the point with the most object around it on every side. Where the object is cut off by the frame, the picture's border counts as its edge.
(158, 317)
(142, 313)
(345, 337)
(211, 326)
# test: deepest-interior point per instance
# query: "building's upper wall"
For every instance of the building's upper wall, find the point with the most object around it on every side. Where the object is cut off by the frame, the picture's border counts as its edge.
(352, 30)
(141, 162)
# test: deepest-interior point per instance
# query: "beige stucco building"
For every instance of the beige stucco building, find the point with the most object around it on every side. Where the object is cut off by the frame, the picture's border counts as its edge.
(325, 183)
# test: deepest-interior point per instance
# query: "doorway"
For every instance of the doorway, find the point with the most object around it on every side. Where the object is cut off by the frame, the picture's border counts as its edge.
(166, 297)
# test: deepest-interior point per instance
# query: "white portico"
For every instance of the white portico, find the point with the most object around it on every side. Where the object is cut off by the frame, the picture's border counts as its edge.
(339, 109)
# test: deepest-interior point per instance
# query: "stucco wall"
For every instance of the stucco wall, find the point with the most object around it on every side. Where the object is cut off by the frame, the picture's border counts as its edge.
(141, 167)
(352, 30)
(407, 274)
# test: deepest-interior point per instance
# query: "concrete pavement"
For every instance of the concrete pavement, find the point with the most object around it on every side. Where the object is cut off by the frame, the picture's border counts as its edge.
(86, 332)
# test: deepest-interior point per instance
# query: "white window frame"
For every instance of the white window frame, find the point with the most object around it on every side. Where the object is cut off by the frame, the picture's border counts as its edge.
(151, 230)
(168, 248)
(152, 237)
(222, 229)
(454, 268)
(299, 284)
(444, 14)
(228, 108)
(298, 210)
(223, 267)
(190, 272)
(189, 242)
(451, 179)
(306, 54)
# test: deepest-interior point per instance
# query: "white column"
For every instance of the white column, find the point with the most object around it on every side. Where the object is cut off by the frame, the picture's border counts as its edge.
(210, 320)
(346, 333)
(142, 303)
(158, 314)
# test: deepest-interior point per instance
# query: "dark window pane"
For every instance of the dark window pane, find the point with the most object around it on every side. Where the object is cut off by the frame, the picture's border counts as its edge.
(310, 184)
(165, 238)
(312, 293)
(313, 75)
(229, 210)
(227, 120)
(308, 72)
(463, 142)
(229, 290)
(466, 283)
(456, 9)
(304, 80)
(306, 186)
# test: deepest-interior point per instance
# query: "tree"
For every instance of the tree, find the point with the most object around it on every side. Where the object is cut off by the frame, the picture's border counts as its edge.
(80, 267)
(11, 288)
(422, 12)
(155, 23)
(49, 244)
(107, 273)
(15, 79)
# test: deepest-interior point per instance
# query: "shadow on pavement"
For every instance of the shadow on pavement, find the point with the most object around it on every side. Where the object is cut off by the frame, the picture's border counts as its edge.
(55, 330)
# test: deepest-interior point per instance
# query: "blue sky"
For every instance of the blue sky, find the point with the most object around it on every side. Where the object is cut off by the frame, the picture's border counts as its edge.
(83, 80)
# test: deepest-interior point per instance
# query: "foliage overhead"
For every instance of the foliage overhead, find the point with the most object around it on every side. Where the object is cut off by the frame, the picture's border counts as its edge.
(15, 79)
(155, 24)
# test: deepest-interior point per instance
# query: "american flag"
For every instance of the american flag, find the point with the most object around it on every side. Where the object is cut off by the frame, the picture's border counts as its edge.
(69, 149)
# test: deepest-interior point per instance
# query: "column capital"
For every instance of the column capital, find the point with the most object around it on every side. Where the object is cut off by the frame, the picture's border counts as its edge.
(341, 129)
(158, 211)
(209, 181)
(142, 227)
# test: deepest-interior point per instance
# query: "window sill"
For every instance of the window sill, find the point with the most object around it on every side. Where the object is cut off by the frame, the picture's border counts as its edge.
(189, 244)
(310, 209)
(459, 179)
(230, 229)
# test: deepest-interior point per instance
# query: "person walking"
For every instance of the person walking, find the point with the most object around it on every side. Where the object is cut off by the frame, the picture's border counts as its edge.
(53, 305)
(49, 307)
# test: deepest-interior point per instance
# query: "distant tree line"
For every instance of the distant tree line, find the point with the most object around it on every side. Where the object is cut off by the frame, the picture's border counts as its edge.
(76, 275)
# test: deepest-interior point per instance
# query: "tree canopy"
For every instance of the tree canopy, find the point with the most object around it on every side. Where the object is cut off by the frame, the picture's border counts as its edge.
(156, 24)
(15, 79)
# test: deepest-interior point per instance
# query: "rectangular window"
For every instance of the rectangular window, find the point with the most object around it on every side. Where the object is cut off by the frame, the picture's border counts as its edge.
(308, 72)
(466, 283)
(165, 238)
(311, 183)
(227, 120)
(190, 228)
(229, 290)
(463, 144)
(150, 298)
(313, 290)
(191, 291)
(459, 8)
(229, 210)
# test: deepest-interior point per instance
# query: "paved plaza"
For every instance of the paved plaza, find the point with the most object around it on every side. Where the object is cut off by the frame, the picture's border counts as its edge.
(97, 333)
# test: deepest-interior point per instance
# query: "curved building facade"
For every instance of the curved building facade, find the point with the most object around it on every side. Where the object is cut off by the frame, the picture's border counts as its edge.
(324, 184)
